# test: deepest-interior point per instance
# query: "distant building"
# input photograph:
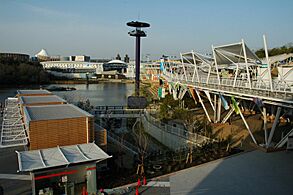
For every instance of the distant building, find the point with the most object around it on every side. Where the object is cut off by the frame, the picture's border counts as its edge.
(126, 59)
(14, 57)
(118, 57)
(42, 55)
(73, 69)
(79, 58)
(118, 65)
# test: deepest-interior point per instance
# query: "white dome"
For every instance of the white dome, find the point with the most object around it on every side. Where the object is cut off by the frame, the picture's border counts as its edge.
(116, 62)
(43, 52)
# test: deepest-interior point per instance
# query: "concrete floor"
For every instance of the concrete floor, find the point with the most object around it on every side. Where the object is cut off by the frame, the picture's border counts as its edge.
(11, 181)
(250, 173)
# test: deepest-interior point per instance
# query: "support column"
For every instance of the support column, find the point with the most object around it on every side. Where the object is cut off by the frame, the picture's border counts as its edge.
(246, 64)
(228, 115)
(203, 106)
(219, 109)
(137, 65)
(33, 183)
(274, 126)
(215, 105)
(245, 123)
(265, 125)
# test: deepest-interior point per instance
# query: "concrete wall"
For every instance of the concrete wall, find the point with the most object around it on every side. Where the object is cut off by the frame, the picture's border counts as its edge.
(168, 139)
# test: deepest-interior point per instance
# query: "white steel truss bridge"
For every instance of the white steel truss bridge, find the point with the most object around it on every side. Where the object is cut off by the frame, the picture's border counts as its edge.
(232, 73)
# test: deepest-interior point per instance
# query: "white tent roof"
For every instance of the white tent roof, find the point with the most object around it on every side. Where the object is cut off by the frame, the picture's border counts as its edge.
(235, 53)
(43, 52)
(59, 156)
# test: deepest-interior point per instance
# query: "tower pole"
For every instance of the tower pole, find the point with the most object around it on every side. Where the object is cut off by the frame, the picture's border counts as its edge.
(137, 65)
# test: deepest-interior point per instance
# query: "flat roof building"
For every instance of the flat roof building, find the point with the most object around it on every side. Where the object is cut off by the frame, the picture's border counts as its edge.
(31, 92)
(40, 100)
(43, 100)
(58, 125)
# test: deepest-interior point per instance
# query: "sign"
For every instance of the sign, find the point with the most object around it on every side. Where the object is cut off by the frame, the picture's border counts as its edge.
(64, 178)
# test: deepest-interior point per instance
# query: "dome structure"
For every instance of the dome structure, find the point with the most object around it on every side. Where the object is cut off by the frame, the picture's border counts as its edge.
(42, 53)
(117, 65)
(116, 62)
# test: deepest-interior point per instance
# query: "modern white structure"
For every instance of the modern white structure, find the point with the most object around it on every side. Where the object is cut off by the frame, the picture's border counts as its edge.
(79, 69)
(245, 82)
(42, 53)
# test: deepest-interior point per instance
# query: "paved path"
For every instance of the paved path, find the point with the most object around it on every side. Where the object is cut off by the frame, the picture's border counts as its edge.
(15, 176)
(250, 173)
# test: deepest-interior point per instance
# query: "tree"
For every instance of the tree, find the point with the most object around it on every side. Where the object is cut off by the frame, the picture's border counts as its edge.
(142, 143)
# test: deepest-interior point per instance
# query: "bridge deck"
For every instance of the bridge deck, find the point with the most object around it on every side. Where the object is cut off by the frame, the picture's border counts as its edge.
(284, 98)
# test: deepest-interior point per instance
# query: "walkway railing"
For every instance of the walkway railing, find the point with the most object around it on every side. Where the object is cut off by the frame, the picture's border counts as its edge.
(198, 139)
(282, 93)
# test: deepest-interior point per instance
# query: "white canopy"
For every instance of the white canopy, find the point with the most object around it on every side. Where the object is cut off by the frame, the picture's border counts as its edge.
(234, 52)
(59, 156)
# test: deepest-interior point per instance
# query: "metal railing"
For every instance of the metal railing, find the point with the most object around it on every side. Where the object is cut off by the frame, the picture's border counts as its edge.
(194, 137)
(258, 89)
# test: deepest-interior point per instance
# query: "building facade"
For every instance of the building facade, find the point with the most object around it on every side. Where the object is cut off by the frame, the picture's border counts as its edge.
(14, 57)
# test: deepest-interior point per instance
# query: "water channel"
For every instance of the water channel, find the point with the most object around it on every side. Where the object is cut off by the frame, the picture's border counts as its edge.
(98, 94)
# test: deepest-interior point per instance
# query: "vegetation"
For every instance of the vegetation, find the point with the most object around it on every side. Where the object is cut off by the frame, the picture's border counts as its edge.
(15, 72)
(275, 51)
(173, 109)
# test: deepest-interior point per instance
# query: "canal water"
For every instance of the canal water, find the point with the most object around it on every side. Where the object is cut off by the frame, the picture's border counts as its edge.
(101, 94)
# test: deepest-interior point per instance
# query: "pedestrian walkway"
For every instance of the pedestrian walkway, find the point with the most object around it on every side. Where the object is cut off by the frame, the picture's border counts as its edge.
(15, 177)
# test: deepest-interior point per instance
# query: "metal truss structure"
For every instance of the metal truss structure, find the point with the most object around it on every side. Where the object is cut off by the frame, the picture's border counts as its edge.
(232, 73)
(13, 130)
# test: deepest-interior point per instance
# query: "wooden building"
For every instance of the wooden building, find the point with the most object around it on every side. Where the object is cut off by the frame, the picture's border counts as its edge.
(58, 125)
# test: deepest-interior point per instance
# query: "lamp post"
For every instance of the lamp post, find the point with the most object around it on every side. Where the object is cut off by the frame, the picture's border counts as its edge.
(138, 32)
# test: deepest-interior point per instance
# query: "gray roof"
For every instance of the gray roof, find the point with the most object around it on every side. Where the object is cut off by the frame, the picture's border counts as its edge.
(53, 112)
(59, 156)
(34, 91)
(40, 99)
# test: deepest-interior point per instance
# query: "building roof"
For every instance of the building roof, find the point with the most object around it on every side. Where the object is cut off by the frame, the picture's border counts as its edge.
(40, 99)
(59, 156)
(43, 52)
(116, 62)
(54, 112)
(34, 91)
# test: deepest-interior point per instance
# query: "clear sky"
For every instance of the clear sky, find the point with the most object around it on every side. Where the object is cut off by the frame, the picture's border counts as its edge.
(98, 27)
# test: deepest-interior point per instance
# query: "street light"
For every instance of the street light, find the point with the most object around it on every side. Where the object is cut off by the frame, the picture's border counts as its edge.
(137, 33)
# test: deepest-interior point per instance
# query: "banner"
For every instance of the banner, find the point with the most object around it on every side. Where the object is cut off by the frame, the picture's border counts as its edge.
(235, 105)
(160, 92)
(170, 88)
(224, 102)
(162, 65)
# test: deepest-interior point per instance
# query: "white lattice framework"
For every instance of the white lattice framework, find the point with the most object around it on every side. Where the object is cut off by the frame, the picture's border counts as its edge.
(203, 74)
(13, 130)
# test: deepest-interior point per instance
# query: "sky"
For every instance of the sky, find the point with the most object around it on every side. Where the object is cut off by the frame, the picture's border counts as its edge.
(98, 27)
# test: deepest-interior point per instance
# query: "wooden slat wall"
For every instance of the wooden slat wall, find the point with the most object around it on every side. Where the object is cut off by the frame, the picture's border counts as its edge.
(51, 133)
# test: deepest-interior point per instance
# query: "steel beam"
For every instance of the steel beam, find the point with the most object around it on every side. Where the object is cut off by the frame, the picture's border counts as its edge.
(274, 126)
(202, 104)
